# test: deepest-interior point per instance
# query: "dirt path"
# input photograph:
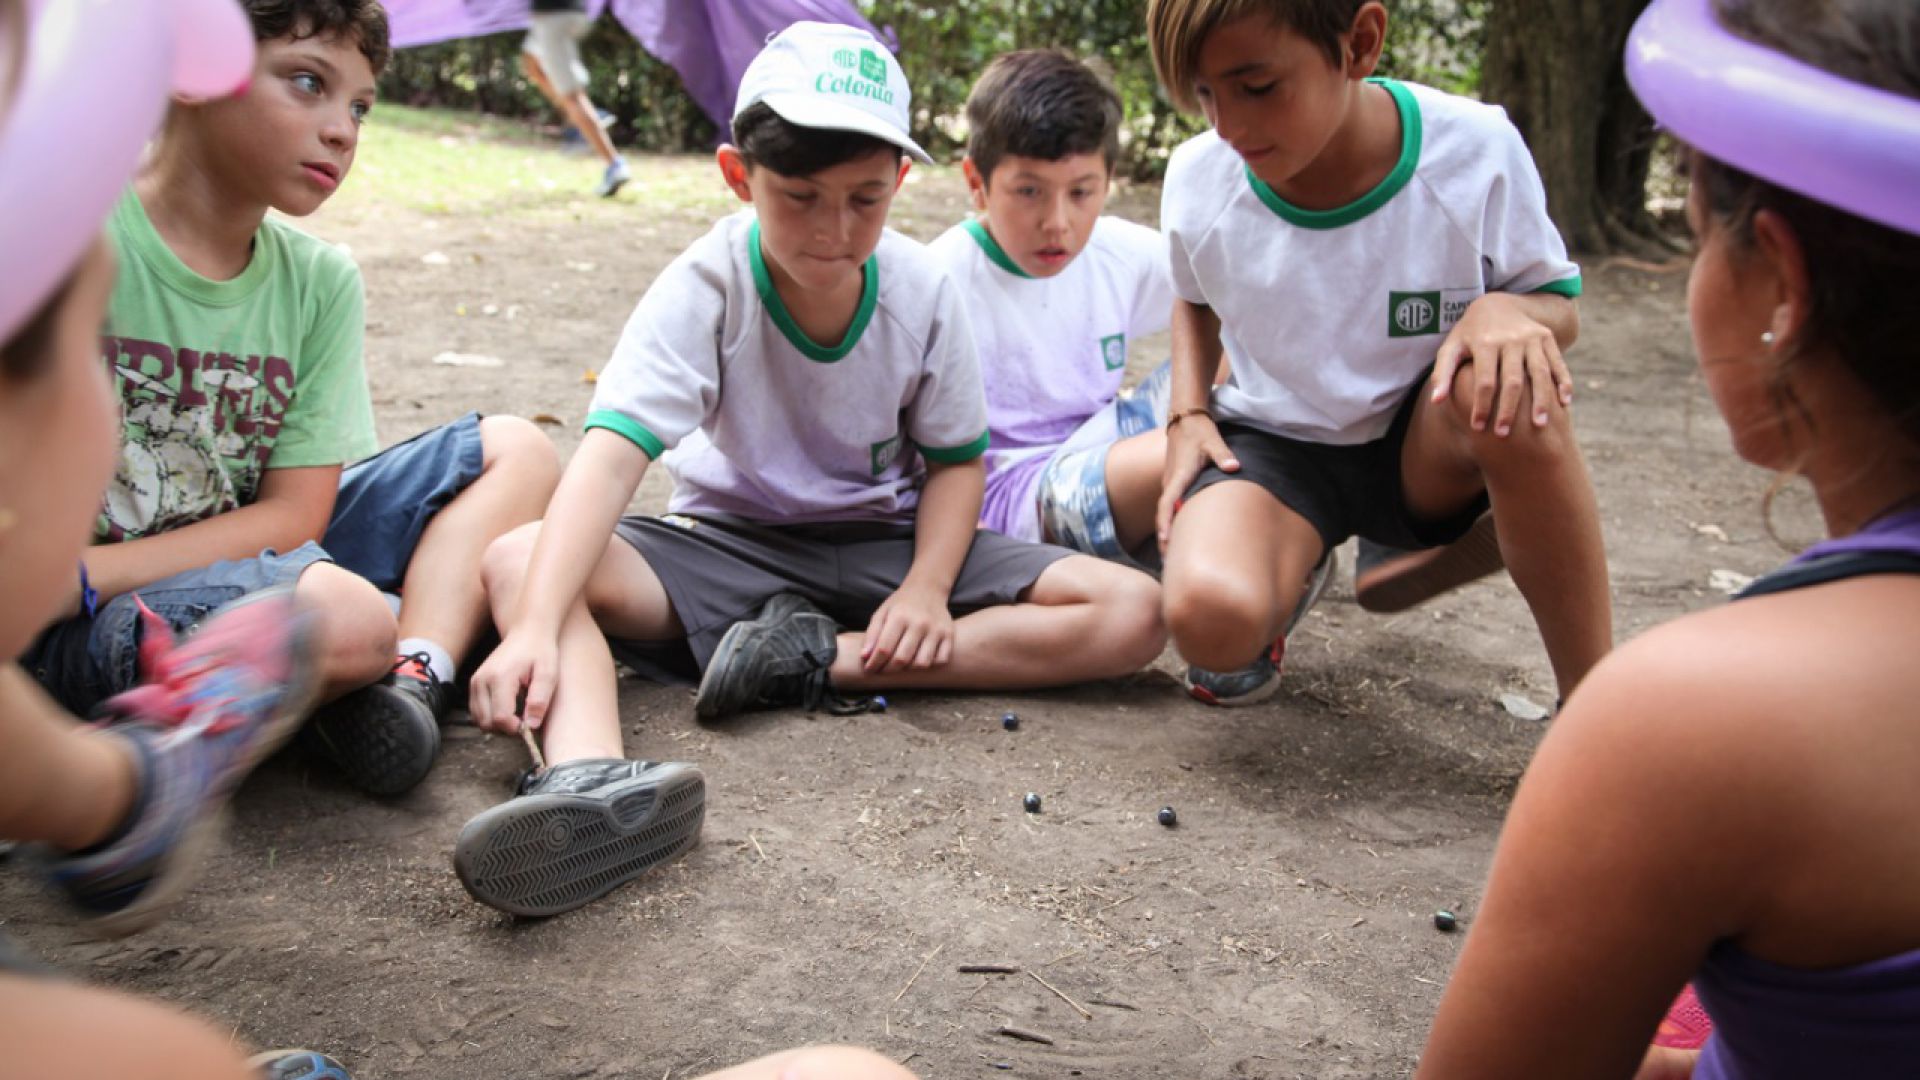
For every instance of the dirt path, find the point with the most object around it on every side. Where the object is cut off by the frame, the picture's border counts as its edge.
(1282, 929)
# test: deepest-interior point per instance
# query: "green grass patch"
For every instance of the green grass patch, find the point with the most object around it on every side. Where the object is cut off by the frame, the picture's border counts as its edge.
(445, 162)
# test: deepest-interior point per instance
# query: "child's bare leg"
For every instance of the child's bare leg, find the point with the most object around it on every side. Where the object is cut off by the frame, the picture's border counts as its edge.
(1543, 509)
(1133, 485)
(60, 784)
(1237, 561)
(444, 601)
(579, 108)
(54, 1029)
(626, 597)
(1083, 619)
(356, 630)
(817, 1063)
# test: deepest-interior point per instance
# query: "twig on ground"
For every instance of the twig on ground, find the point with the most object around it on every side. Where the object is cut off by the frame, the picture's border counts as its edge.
(916, 973)
(1084, 1014)
(756, 846)
(988, 969)
(1024, 1035)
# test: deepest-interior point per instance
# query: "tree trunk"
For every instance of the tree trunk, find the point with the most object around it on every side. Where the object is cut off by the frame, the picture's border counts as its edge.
(1556, 66)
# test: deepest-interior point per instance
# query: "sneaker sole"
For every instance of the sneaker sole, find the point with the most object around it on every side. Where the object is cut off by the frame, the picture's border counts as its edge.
(1206, 697)
(393, 753)
(1470, 558)
(182, 868)
(541, 855)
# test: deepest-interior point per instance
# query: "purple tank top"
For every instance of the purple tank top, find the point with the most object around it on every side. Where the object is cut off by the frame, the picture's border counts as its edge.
(1858, 1022)
(1895, 533)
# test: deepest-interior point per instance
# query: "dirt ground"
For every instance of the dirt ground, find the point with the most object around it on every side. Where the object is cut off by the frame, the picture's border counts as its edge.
(849, 866)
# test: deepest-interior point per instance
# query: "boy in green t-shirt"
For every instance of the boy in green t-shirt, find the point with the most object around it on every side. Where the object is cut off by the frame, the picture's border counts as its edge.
(234, 344)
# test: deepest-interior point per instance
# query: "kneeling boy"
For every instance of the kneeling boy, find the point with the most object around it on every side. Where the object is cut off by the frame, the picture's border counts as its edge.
(1055, 292)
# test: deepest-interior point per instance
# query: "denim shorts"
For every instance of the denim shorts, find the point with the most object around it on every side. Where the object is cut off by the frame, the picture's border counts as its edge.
(385, 503)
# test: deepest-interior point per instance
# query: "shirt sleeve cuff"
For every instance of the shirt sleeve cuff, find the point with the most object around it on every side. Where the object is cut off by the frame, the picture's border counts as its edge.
(628, 428)
(954, 455)
(1567, 287)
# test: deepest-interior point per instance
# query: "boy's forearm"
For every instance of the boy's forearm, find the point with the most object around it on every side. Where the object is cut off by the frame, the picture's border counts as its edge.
(593, 493)
(944, 525)
(1197, 356)
(243, 533)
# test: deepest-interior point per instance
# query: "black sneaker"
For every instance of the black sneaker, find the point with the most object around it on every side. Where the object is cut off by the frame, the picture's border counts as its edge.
(579, 830)
(297, 1065)
(384, 737)
(777, 660)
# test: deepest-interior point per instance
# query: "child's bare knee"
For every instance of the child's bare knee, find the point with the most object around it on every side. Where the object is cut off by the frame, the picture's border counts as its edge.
(511, 443)
(358, 633)
(505, 562)
(834, 1063)
(1215, 622)
(1133, 627)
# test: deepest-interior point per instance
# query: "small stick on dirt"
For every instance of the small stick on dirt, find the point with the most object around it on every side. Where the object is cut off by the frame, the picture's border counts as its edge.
(916, 973)
(757, 847)
(1024, 1036)
(526, 736)
(988, 969)
(1113, 1004)
(1084, 1014)
(1059, 958)
(1117, 903)
(911, 1054)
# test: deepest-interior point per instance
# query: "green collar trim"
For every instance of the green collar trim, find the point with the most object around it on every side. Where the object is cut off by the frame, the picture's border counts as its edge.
(782, 318)
(1372, 200)
(993, 249)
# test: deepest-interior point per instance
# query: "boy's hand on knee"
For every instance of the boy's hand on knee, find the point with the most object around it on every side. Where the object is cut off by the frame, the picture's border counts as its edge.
(521, 668)
(1515, 358)
(1193, 442)
(913, 630)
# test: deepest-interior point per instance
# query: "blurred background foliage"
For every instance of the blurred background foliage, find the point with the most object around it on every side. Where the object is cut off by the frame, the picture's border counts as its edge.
(943, 45)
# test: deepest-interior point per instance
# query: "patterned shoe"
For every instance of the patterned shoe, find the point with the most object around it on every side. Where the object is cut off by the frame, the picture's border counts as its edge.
(1388, 579)
(577, 831)
(384, 737)
(211, 708)
(297, 1065)
(776, 660)
(1257, 681)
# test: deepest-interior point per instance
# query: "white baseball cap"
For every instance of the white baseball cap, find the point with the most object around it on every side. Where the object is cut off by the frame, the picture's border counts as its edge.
(832, 76)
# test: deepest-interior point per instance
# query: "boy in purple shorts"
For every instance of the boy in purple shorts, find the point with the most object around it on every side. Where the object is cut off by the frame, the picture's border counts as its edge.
(234, 345)
(1055, 292)
(810, 380)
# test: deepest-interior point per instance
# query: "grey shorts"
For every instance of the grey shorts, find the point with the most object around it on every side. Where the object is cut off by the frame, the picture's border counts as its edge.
(553, 37)
(720, 570)
(1342, 491)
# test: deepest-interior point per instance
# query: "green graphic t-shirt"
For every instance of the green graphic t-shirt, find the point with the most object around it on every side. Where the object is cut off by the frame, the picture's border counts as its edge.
(221, 380)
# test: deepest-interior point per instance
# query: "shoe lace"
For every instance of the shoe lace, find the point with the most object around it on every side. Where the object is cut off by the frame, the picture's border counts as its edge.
(414, 665)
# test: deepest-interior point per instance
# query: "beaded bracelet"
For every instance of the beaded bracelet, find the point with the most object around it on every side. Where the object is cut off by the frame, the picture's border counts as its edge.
(1182, 414)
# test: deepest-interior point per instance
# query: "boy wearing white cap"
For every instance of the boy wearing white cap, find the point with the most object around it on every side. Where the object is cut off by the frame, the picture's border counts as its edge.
(810, 380)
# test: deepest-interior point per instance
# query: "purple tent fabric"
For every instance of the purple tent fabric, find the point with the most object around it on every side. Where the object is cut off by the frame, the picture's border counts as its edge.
(709, 42)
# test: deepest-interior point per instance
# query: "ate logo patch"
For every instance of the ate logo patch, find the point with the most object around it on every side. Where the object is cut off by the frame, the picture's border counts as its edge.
(1417, 314)
(883, 453)
(1113, 351)
(873, 67)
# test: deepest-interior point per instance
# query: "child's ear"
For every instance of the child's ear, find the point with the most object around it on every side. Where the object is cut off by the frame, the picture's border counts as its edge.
(733, 170)
(906, 166)
(1786, 282)
(976, 184)
(1365, 39)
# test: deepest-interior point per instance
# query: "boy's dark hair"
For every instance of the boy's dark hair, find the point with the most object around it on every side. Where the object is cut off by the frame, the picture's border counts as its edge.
(364, 21)
(1041, 103)
(1177, 29)
(1859, 273)
(767, 139)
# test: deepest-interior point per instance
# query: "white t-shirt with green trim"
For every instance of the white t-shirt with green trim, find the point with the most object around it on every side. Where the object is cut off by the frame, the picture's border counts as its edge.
(757, 421)
(1052, 350)
(1330, 317)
